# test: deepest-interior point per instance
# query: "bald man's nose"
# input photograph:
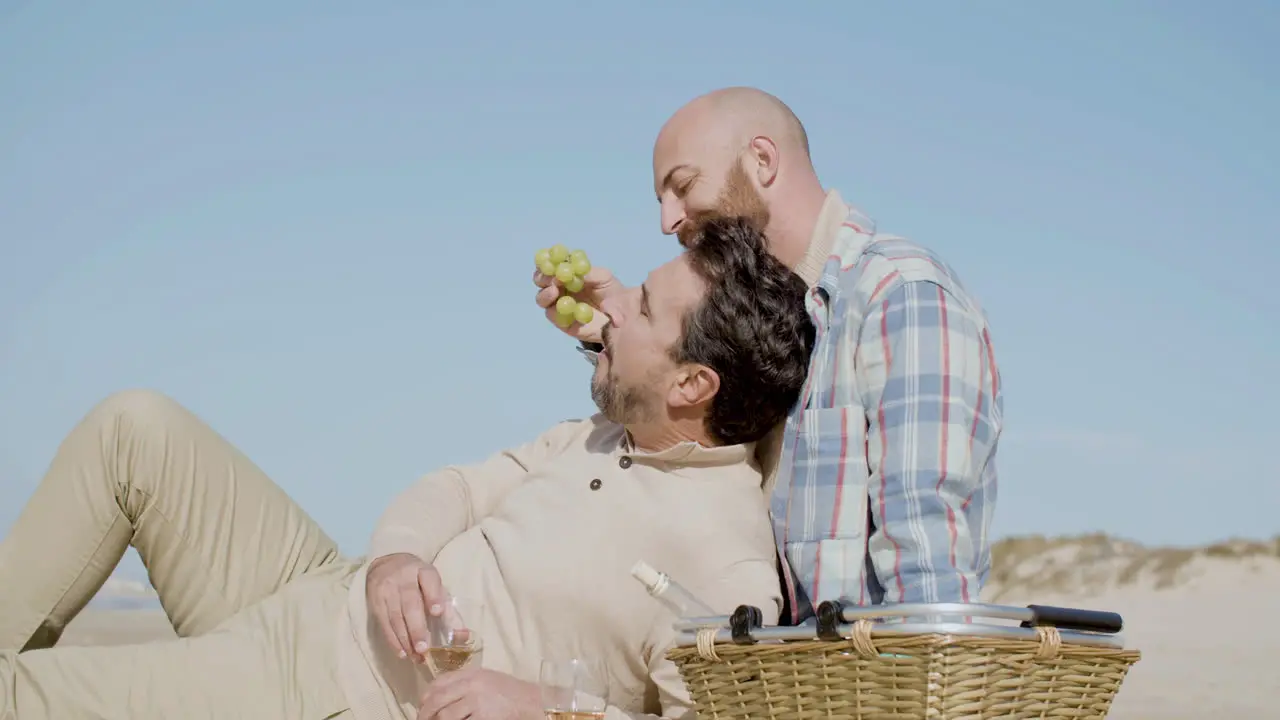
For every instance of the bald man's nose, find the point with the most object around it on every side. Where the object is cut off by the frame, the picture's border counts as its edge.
(672, 215)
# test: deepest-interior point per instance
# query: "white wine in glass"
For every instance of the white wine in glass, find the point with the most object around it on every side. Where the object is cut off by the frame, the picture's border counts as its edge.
(455, 637)
(573, 690)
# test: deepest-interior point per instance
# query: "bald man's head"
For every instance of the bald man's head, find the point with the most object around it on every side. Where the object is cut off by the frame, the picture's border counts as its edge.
(751, 112)
(732, 151)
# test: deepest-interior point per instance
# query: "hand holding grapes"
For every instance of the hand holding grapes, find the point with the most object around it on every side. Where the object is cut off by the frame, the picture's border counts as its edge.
(571, 291)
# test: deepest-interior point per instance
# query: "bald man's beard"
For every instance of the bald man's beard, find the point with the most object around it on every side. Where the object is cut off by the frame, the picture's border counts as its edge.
(738, 198)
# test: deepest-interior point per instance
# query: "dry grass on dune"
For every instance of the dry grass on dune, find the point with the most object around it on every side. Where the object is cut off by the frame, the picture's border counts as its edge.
(1085, 564)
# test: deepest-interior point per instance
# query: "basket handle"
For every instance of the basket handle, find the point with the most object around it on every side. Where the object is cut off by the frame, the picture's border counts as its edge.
(1074, 619)
(832, 613)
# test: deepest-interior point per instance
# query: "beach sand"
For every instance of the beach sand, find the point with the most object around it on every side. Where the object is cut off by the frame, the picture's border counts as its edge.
(1199, 616)
(1204, 618)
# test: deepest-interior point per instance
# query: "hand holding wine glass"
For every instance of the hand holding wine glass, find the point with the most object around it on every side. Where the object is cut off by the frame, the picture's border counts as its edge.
(573, 689)
(455, 636)
(403, 591)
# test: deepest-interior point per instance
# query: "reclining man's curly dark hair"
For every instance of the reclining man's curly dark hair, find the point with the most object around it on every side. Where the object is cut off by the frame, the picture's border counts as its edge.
(751, 328)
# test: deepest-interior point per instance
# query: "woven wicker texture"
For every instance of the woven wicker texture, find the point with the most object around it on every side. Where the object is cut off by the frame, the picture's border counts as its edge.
(938, 677)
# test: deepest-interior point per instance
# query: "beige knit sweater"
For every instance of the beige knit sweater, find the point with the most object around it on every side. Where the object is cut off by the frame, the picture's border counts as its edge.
(549, 550)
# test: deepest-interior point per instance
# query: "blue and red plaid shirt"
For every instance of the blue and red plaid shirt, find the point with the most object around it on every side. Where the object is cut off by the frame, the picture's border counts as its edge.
(886, 478)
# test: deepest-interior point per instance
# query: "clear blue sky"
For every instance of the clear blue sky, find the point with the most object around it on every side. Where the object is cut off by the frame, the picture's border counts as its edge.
(315, 226)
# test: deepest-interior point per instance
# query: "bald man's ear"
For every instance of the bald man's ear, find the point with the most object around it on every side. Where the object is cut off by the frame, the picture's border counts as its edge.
(764, 153)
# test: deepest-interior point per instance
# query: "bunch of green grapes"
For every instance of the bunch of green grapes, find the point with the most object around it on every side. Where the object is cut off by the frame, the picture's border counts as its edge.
(569, 268)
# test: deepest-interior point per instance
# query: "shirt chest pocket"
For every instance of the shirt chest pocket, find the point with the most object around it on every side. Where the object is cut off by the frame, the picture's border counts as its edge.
(828, 492)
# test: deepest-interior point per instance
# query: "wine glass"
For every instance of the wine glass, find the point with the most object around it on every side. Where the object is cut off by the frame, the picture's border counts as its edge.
(573, 689)
(455, 636)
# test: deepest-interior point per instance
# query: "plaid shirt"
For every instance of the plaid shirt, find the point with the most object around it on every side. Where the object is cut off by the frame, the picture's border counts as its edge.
(886, 480)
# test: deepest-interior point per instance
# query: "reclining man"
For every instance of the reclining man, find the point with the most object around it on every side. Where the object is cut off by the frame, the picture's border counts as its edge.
(699, 363)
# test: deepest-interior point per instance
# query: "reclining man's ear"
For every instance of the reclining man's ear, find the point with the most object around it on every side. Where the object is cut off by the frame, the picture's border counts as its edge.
(694, 385)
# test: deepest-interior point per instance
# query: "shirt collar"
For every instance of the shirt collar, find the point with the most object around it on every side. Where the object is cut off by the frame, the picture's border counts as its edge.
(690, 453)
(832, 215)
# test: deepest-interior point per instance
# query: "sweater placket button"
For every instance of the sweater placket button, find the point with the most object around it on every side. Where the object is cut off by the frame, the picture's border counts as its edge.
(595, 484)
(624, 462)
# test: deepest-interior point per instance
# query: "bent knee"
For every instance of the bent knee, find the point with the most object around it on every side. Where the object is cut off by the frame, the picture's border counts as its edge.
(139, 402)
(131, 411)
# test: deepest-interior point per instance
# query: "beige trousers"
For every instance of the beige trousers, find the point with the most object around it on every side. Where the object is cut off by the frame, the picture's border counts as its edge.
(251, 584)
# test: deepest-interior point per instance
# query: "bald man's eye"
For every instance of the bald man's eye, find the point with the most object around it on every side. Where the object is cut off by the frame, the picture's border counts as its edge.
(683, 188)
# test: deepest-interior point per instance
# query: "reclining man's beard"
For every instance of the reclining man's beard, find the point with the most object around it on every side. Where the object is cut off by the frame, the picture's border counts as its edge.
(619, 404)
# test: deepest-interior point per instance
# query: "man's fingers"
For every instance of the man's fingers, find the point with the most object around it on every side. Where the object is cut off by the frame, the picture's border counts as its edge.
(445, 690)
(394, 627)
(599, 284)
(552, 315)
(597, 276)
(415, 620)
(461, 710)
(432, 591)
(548, 295)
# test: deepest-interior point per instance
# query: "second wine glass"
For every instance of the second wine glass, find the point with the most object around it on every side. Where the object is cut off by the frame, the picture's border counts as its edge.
(573, 689)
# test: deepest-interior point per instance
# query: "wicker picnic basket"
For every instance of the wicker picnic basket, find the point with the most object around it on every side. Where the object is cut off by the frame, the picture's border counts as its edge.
(940, 662)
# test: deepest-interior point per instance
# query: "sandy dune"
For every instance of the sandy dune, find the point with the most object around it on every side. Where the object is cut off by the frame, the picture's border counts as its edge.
(1203, 617)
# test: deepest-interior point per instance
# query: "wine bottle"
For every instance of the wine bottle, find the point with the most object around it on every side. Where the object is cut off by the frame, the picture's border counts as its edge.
(670, 593)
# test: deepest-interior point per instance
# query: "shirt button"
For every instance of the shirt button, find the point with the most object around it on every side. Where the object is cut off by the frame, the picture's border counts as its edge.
(595, 484)
(624, 462)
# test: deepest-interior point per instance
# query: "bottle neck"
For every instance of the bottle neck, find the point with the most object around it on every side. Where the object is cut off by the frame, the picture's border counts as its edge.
(661, 585)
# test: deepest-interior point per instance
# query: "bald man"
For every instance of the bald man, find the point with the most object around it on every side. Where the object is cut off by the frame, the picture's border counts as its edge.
(883, 477)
